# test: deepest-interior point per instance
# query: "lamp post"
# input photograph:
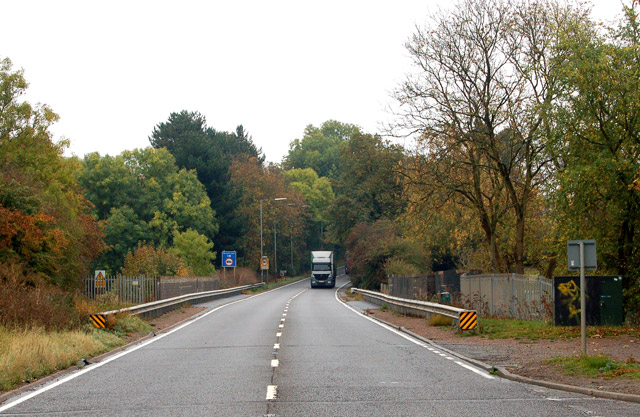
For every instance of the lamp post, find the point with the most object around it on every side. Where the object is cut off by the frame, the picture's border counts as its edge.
(261, 243)
(291, 235)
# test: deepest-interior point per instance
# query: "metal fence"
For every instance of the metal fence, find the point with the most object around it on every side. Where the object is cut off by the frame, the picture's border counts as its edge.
(135, 290)
(508, 295)
(143, 289)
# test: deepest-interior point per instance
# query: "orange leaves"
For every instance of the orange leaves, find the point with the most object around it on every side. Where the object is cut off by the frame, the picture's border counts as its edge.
(25, 233)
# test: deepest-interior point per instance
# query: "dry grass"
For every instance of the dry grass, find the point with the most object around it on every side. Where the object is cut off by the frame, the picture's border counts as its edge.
(439, 320)
(243, 276)
(32, 353)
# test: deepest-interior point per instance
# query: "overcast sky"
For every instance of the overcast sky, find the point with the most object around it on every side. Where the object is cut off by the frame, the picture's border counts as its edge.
(113, 70)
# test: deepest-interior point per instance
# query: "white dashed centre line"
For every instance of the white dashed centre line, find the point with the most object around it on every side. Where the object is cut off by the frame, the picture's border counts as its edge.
(272, 392)
(275, 363)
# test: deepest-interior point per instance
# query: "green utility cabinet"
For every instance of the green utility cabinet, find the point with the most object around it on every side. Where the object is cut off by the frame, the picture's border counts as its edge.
(603, 299)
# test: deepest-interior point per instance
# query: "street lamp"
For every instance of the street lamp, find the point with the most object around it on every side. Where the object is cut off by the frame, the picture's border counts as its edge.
(291, 235)
(261, 244)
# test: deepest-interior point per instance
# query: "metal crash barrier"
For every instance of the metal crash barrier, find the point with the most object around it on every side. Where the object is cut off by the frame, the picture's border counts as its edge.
(467, 319)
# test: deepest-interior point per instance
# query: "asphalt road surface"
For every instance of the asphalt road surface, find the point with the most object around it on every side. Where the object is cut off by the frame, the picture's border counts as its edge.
(294, 351)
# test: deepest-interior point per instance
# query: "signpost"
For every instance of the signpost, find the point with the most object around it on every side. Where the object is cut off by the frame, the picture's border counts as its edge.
(581, 255)
(264, 263)
(99, 277)
(228, 259)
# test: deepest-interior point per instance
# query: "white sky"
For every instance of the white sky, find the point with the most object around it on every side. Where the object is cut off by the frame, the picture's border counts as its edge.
(113, 70)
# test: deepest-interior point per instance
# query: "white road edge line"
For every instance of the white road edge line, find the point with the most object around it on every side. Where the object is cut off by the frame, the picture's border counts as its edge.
(272, 392)
(409, 338)
(97, 365)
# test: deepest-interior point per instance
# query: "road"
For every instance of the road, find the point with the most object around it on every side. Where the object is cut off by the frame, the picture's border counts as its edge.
(293, 352)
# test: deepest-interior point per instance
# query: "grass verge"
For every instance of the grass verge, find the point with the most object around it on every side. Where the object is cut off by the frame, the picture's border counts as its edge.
(29, 354)
(597, 366)
(494, 328)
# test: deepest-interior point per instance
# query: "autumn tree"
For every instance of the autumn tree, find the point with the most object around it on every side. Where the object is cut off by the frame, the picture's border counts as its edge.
(482, 91)
(45, 222)
(597, 143)
(369, 187)
(288, 218)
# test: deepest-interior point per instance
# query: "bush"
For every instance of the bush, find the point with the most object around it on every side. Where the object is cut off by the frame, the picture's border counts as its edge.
(27, 300)
(243, 276)
(149, 261)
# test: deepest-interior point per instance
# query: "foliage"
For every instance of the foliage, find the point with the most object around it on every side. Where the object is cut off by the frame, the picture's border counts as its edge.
(369, 187)
(26, 299)
(195, 250)
(371, 245)
(320, 149)
(596, 146)
(149, 261)
(210, 154)
(480, 101)
(288, 218)
(317, 191)
(142, 197)
(44, 219)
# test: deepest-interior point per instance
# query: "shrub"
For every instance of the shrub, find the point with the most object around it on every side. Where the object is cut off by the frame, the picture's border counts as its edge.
(149, 261)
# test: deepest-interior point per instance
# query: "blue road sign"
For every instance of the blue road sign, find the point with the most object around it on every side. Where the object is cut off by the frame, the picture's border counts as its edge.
(228, 259)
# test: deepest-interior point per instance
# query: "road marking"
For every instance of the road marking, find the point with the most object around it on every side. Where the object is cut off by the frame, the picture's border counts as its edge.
(275, 363)
(405, 336)
(272, 392)
(284, 314)
(97, 365)
(472, 369)
(278, 334)
(276, 345)
(281, 326)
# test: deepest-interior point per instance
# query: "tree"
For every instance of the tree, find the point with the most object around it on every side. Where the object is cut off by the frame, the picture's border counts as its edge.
(597, 142)
(142, 197)
(484, 86)
(45, 222)
(210, 154)
(195, 250)
(319, 149)
(370, 185)
(287, 218)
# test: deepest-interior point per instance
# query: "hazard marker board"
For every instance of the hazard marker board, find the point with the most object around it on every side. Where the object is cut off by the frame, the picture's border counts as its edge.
(468, 320)
(98, 320)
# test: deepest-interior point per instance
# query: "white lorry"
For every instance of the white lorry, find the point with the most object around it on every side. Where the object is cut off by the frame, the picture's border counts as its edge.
(323, 270)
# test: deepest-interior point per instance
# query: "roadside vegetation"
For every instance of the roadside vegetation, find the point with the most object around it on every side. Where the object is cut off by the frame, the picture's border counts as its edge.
(27, 354)
(597, 366)
(498, 328)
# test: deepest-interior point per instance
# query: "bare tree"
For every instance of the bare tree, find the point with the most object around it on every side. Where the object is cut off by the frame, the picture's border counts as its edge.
(482, 91)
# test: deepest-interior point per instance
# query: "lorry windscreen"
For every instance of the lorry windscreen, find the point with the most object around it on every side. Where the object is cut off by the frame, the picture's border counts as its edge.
(322, 267)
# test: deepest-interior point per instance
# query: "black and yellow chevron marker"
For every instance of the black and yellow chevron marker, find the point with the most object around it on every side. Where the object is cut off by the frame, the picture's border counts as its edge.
(98, 320)
(468, 320)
